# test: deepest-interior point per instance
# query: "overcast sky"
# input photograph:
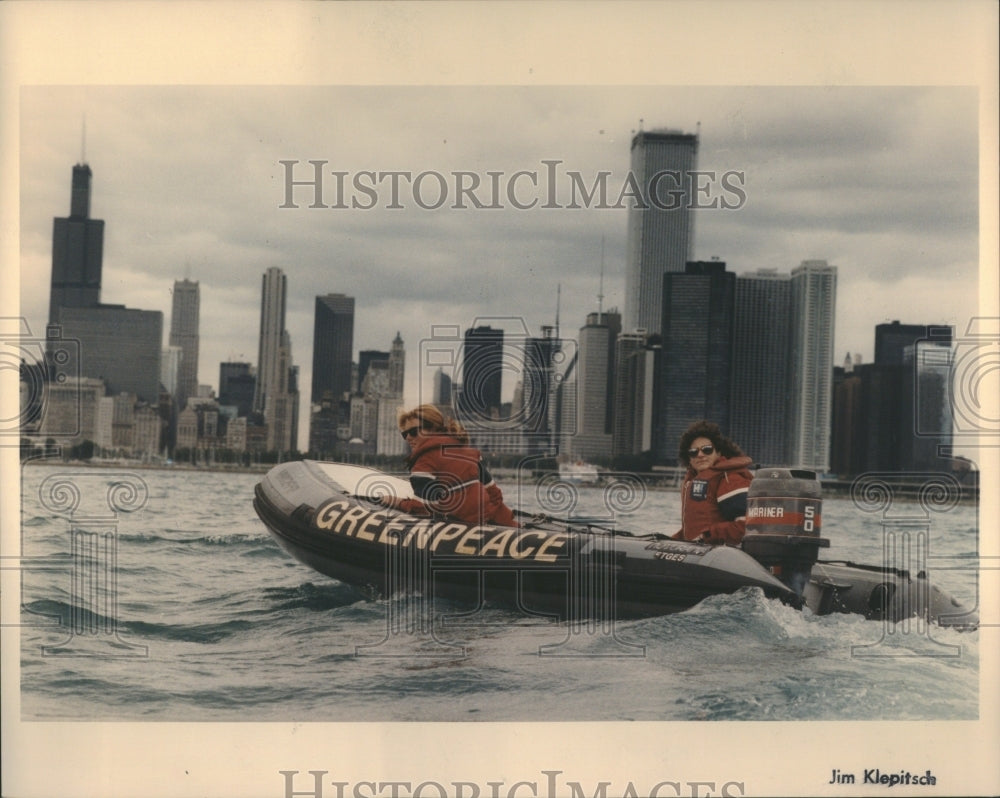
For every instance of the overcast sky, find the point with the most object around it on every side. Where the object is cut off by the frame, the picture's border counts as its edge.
(881, 182)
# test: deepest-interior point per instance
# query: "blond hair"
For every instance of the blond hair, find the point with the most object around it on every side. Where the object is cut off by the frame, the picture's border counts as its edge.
(430, 418)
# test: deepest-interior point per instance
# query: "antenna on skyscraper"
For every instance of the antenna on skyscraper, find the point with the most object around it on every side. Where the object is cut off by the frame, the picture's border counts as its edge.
(83, 140)
(558, 298)
(600, 291)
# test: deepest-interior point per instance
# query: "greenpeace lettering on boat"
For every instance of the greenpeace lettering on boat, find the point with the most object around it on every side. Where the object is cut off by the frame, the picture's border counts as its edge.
(390, 528)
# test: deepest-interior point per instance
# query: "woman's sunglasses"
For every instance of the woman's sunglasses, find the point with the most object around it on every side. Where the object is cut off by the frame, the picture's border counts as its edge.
(703, 450)
(412, 432)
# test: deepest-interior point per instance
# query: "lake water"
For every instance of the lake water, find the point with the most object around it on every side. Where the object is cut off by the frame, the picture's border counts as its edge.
(174, 604)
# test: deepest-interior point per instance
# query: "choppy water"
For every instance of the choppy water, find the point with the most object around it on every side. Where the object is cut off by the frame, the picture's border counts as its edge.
(182, 608)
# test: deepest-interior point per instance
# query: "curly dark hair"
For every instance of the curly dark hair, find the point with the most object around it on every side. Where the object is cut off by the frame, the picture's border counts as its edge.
(710, 430)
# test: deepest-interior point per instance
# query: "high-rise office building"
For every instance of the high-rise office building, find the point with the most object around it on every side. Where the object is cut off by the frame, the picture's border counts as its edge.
(272, 328)
(236, 386)
(611, 319)
(276, 391)
(760, 378)
(926, 412)
(895, 415)
(917, 360)
(184, 334)
(814, 301)
(397, 366)
(375, 407)
(594, 383)
(482, 374)
(119, 345)
(333, 347)
(892, 340)
(441, 389)
(77, 251)
(846, 423)
(170, 369)
(334, 375)
(532, 408)
(661, 224)
(366, 359)
(636, 360)
(281, 413)
(694, 379)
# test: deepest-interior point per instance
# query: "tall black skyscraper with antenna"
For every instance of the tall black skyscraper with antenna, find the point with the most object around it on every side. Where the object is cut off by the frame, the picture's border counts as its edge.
(77, 251)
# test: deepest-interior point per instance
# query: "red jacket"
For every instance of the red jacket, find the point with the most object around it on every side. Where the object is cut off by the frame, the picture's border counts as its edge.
(449, 478)
(714, 502)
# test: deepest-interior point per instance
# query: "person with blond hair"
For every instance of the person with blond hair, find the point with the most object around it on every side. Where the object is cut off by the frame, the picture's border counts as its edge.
(447, 474)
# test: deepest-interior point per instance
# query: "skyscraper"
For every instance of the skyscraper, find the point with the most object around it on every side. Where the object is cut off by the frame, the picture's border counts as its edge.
(397, 366)
(814, 301)
(275, 392)
(847, 428)
(694, 380)
(594, 374)
(660, 223)
(236, 386)
(77, 251)
(184, 334)
(441, 389)
(333, 347)
(892, 339)
(761, 351)
(119, 345)
(927, 410)
(482, 373)
(272, 328)
(170, 369)
(534, 410)
(895, 414)
(366, 359)
(636, 359)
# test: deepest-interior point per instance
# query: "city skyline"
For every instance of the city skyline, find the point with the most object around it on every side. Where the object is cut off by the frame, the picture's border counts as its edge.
(900, 253)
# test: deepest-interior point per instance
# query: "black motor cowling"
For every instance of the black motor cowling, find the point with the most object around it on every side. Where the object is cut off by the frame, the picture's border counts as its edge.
(784, 515)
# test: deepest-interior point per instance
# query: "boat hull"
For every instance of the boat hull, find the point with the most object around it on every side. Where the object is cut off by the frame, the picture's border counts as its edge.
(543, 567)
(326, 516)
(883, 594)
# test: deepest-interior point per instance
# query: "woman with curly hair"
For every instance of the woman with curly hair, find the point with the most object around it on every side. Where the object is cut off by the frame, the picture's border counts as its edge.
(447, 474)
(714, 493)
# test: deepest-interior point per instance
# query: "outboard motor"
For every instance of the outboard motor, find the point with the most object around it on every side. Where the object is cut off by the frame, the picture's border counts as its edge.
(783, 523)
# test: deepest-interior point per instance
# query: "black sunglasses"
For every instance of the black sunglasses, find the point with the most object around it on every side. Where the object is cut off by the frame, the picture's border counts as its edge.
(412, 432)
(703, 450)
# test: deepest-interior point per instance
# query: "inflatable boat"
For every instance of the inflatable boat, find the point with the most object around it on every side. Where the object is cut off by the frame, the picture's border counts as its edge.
(328, 516)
